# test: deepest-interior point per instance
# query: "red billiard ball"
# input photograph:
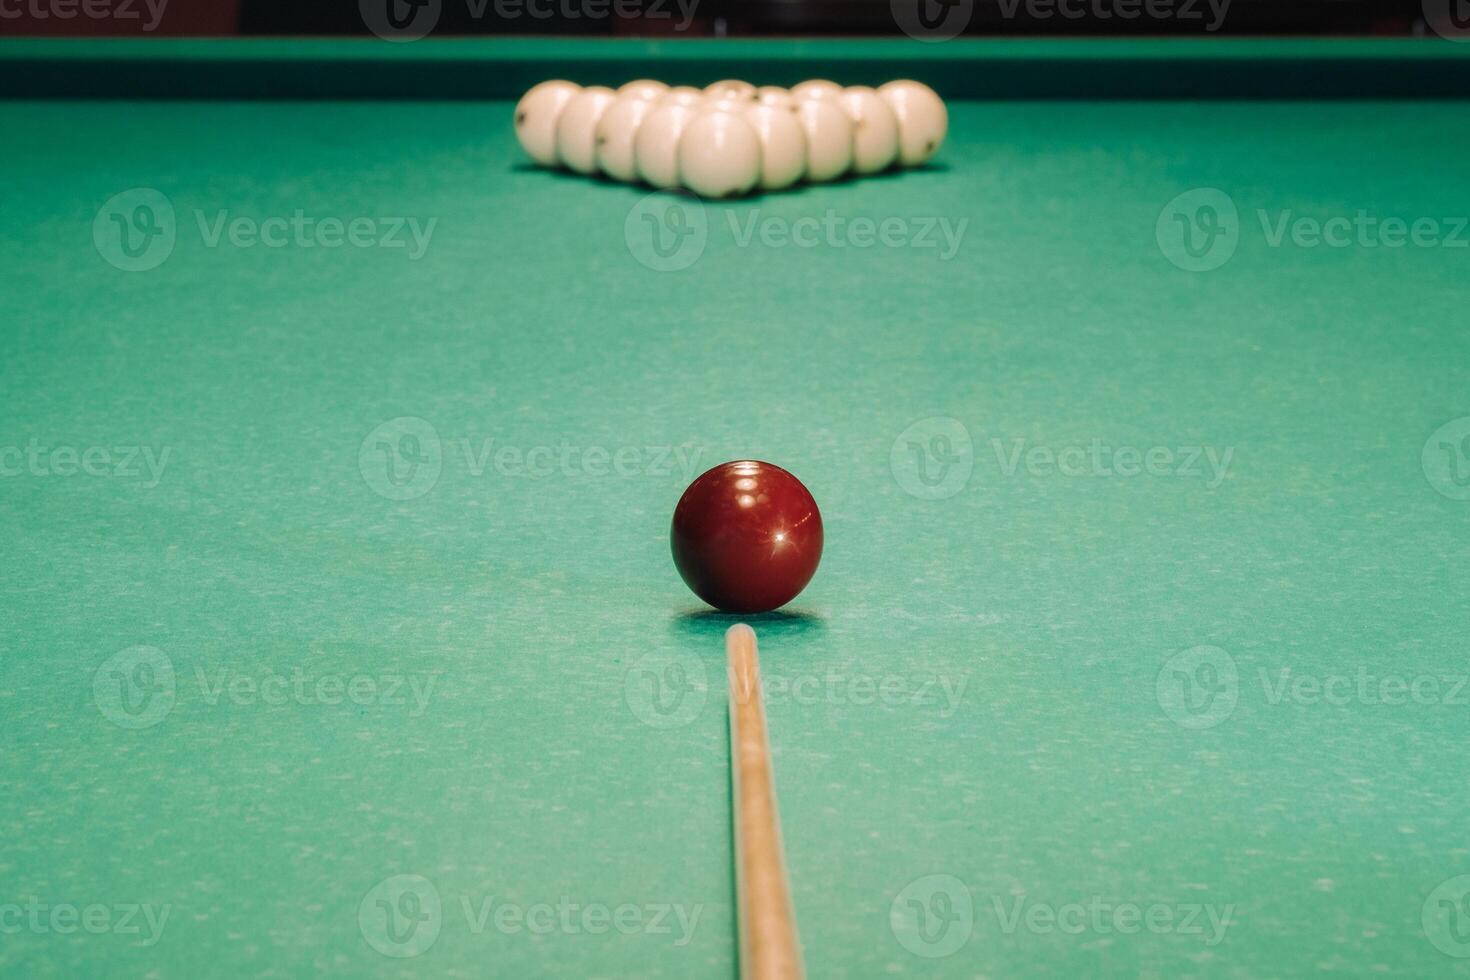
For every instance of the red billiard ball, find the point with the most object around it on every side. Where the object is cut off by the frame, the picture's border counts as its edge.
(747, 537)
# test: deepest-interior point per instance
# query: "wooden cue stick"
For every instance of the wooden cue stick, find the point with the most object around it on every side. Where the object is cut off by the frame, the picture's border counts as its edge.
(769, 949)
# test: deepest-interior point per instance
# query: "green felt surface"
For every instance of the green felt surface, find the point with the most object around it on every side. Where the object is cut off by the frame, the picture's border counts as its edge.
(980, 685)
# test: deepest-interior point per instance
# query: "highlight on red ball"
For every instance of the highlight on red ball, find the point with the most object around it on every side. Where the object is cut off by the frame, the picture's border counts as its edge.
(746, 536)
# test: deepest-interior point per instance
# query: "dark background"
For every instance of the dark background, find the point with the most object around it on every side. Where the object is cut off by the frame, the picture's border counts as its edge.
(735, 18)
(869, 17)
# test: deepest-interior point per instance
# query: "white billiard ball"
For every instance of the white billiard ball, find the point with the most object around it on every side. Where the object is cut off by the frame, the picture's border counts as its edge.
(682, 95)
(643, 88)
(783, 145)
(536, 115)
(828, 131)
(616, 132)
(576, 130)
(773, 95)
(874, 129)
(656, 147)
(719, 154)
(732, 87)
(724, 103)
(816, 88)
(922, 119)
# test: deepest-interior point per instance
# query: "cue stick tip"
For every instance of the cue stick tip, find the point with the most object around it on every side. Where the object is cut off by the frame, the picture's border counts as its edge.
(743, 663)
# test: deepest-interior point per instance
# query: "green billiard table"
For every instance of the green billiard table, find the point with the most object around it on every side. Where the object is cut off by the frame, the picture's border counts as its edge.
(339, 634)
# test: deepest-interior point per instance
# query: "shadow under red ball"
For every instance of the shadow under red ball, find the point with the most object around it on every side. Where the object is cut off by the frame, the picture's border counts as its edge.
(747, 537)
